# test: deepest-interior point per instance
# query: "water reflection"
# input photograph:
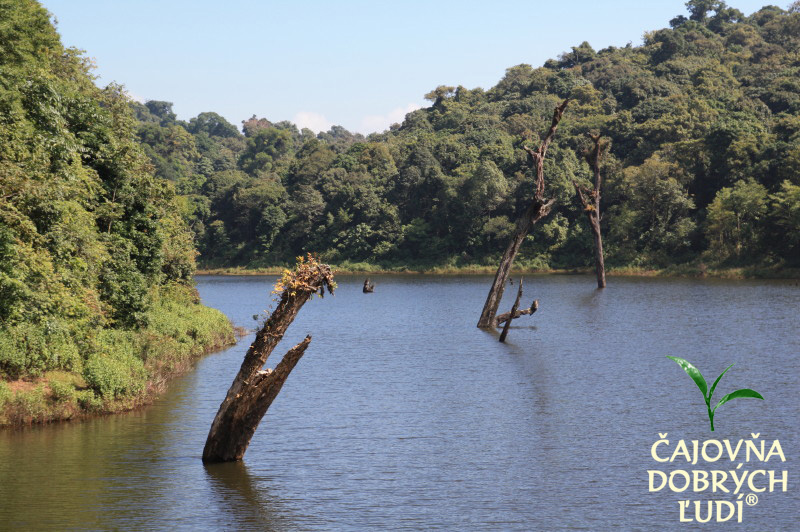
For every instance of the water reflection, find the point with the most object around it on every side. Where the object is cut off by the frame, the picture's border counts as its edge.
(401, 415)
(246, 501)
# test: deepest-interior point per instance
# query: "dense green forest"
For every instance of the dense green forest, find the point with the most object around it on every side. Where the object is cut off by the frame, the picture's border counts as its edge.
(703, 121)
(96, 302)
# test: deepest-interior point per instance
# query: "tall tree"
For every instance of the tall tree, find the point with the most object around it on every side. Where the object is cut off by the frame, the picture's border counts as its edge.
(735, 220)
(590, 199)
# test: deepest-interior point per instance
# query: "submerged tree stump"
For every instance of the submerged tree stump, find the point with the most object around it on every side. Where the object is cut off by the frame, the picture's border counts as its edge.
(254, 388)
(538, 209)
(368, 287)
(590, 199)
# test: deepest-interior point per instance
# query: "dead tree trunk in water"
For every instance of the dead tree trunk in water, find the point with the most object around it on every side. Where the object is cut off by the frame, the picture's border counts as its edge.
(538, 209)
(591, 206)
(254, 389)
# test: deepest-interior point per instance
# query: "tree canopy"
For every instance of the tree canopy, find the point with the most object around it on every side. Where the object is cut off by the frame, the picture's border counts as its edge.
(703, 111)
(92, 243)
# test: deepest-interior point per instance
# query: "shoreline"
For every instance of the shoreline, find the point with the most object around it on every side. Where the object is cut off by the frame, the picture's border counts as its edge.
(697, 272)
(182, 331)
(55, 411)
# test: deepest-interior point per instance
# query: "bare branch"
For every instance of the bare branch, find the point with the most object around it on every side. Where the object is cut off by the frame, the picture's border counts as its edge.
(581, 191)
(594, 162)
(502, 318)
(513, 312)
(559, 111)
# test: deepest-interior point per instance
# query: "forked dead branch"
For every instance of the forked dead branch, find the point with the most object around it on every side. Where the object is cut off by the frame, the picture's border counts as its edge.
(538, 209)
(504, 317)
(254, 388)
(513, 314)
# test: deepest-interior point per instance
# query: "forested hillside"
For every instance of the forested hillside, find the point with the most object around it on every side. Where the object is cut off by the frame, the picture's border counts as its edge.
(703, 121)
(95, 263)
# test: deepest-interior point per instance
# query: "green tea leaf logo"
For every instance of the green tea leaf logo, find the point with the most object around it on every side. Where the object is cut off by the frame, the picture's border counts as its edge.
(698, 379)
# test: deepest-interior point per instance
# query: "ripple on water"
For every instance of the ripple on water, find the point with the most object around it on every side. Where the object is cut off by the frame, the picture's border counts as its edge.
(403, 415)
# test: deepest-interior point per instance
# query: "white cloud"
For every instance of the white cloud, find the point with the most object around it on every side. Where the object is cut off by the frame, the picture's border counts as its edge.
(313, 121)
(380, 123)
(135, 97)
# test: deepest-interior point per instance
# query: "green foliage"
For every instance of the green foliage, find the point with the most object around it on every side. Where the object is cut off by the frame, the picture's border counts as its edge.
(114, 369)
(265, 149)
(181, 327)
(92, 244)
(27, 406)
(62, 390)
(213, 125)
(30, 349)
(786, 216)
(703, 121)
(123, 286)
(5, 393)
(652, 214)
(734, 220)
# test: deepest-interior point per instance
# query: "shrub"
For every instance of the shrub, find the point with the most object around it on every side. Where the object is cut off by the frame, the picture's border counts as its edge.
(89, 401)
(114, 370)
(62, 391)
(5, 393)
(28, 406)
(12, 357)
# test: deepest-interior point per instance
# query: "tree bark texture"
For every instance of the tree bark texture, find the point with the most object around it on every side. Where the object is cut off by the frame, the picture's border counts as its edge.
(591, 206)
(513, 312)
(254, 388)
(538, 209)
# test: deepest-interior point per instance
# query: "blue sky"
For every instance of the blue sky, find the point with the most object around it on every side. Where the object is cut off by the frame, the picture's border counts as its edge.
(359, 64)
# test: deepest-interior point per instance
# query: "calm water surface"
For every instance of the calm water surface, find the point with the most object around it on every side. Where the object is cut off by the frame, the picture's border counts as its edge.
(403, 415)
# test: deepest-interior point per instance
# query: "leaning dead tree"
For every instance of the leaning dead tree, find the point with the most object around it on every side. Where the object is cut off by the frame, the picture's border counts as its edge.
(254, 388)
(538, 209)
(591, 206)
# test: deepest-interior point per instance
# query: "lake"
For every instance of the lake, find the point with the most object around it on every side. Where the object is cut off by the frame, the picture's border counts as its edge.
(403, 415)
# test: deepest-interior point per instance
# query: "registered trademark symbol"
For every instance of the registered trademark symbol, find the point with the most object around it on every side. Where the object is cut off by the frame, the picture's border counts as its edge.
(751, 499)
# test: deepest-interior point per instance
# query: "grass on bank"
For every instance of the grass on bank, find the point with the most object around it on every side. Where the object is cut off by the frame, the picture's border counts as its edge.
(109, 370)
(699, 270)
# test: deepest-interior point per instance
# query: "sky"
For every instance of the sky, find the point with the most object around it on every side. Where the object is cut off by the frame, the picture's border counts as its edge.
(361, 64)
